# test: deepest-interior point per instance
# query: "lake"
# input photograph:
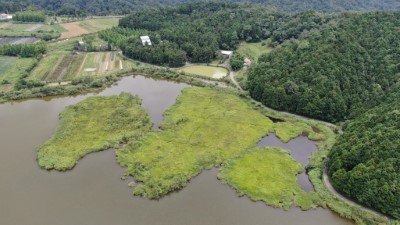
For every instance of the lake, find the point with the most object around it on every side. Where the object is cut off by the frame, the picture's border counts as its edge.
(93, 193)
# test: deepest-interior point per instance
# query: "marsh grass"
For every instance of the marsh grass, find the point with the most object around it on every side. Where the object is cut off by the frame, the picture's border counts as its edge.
(95, 124)
(268, 174)
(203, 129)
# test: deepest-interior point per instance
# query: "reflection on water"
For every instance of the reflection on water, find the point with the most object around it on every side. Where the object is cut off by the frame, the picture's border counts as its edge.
(92, 193)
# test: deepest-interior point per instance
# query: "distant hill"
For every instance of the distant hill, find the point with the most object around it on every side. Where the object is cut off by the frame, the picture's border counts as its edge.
(102, 7)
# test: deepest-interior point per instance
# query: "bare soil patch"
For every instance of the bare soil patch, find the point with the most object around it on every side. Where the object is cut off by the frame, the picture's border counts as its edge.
(73, 30)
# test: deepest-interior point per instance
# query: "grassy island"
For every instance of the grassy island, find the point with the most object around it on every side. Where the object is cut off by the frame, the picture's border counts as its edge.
(92, 125)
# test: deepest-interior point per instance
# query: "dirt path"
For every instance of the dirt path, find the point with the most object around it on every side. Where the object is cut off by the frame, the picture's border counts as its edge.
(328, 184)
(232, 77)
(73, 30)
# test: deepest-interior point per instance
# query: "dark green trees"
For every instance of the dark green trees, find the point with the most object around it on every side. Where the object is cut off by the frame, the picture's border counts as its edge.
(29, 16)
(334, 74)
(365, 162)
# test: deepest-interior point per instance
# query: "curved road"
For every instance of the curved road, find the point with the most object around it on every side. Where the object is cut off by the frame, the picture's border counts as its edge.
(328, 185)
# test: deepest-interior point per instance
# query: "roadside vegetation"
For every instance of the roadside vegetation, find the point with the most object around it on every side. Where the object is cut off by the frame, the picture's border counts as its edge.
(95, 124)
(269, 175)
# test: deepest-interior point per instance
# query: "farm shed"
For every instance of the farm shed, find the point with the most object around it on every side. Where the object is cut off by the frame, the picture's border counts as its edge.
(227, 53)
(4, 16)
(145, 40)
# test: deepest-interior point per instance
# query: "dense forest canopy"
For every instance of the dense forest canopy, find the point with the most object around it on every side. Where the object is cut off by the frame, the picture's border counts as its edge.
(365, 161)
(104, 7)
(336, 73)
(195, 32)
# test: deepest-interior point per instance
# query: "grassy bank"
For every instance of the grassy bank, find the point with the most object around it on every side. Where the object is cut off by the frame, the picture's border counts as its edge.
(94, 124)
(269, 175)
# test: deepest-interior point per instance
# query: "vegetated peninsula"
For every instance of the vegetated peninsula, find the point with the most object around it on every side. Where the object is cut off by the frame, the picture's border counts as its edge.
(269, 175)
(95, 124)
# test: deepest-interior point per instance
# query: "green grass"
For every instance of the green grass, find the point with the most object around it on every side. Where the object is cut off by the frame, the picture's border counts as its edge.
(269, 175)
(253, 50)
(21, 67)
(95, 124)
(6, 63)
(96, 25)
(207, 71)
(203, 129)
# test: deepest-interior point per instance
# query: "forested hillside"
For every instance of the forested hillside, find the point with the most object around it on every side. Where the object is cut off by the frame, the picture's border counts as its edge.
(365, 162)
(195, 32)
(347, 70)
(335, 74)
(103, 7)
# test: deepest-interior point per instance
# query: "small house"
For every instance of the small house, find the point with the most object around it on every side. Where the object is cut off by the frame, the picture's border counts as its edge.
(246, 62)
(145, 40)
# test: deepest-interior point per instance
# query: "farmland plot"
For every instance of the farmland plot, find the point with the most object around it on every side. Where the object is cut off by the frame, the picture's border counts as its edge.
(67, 68)
(73, 30)
(17, 40)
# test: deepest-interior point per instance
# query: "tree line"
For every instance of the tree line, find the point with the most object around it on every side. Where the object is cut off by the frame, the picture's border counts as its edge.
(30, 16)
(23, 50)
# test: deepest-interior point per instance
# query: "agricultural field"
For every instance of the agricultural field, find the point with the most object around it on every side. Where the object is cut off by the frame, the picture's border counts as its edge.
(206, 71)
(17, 40)
(64, 67)
(6, 63)
(15, 69)
(253, 50)
(75, 29)
(29, 30)
(96, 25)
(112, 120)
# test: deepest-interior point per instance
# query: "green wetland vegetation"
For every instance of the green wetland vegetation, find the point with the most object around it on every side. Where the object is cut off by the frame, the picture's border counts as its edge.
(269, 175)
(193, 137)
(95, 124)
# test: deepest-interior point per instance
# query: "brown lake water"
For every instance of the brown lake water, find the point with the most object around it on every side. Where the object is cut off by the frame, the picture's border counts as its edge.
(93, 194)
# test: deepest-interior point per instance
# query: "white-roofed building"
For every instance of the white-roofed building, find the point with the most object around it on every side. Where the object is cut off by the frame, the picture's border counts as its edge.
(5, 16)
(145, 40)
(227, 53)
